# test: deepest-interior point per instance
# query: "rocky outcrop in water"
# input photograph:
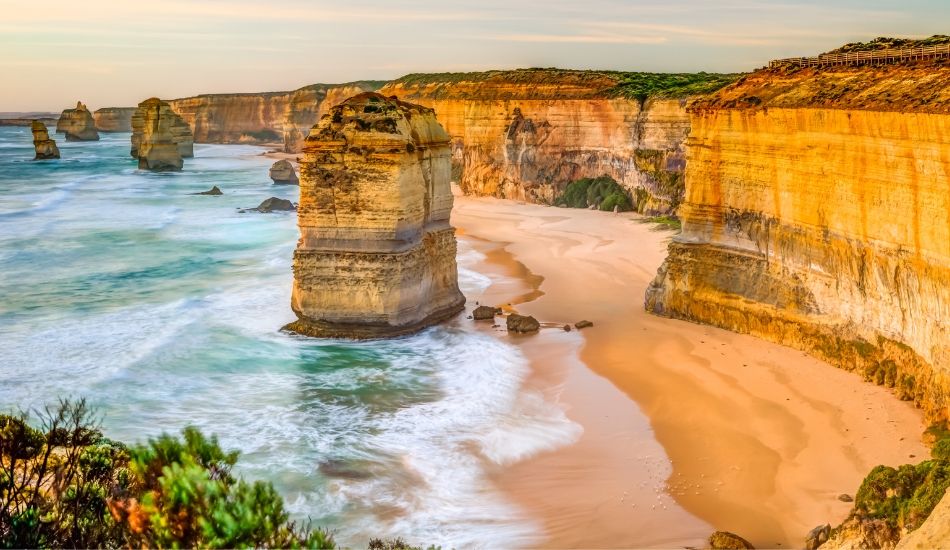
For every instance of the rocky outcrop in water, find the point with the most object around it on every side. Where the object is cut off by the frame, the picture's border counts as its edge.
(114, 119)
(282, 173)
(268, 117)
(44, 146)
(376, 255)
(526, 134)
(155, 143)
(173, 128)
(77, 124)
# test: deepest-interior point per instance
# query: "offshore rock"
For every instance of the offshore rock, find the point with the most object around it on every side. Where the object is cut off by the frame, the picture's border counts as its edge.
(114, 119)
(485, 313)
(275, 204)
(214, 191)
(376, 255)
(178, 131)
(77, 124)
(45, 147)
(817, 215)
(154, 143)
(282, 173)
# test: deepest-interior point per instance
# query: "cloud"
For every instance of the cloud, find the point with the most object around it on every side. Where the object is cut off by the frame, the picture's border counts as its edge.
(579, 38)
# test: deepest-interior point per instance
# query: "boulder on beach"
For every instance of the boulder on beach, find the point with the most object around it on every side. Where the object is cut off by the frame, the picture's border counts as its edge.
(724, 540)
(282, 173)
(583, 324)
(485, 313)
(817, 536)
(44, 146)
(522, 323)
(213, 191)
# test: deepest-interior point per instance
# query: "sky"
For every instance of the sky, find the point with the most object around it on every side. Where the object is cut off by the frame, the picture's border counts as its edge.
(119, 52)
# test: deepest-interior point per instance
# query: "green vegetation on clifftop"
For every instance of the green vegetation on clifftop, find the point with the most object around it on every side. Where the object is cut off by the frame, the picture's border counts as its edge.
(579, 83)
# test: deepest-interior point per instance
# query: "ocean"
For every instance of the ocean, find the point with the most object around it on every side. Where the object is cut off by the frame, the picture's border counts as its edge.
(163, 309)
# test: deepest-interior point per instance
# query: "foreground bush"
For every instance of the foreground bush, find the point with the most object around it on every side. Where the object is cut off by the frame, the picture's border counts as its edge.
(65, 485)
(603, 193)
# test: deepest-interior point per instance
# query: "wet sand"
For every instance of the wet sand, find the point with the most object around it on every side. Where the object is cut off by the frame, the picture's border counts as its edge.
(744, 435)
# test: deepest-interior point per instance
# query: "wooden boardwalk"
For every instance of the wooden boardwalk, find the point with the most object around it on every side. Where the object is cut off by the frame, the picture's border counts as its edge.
(875, 57)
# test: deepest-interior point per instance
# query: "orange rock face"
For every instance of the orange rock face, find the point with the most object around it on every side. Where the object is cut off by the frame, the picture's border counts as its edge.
(270, 117)
(526, 140)
(114, 119)
(77, 124)
(823, 228)
(376, 255)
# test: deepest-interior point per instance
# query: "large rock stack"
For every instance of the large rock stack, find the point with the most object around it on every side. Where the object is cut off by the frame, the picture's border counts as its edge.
(376, 255)
(153, 141)
(178, 129)
(282, 173)
(77, 124)
(45, 147)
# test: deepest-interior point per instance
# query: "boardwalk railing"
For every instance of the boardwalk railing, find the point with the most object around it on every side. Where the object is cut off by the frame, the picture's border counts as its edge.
(874, 57)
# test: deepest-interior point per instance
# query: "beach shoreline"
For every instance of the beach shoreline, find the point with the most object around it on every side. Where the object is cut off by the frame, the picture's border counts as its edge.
(749, 436)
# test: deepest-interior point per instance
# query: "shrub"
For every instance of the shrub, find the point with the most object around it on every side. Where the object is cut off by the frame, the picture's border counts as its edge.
(905, 496)
(602, 192)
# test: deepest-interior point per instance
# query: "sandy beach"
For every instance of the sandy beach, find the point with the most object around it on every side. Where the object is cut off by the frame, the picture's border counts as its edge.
(687, 428)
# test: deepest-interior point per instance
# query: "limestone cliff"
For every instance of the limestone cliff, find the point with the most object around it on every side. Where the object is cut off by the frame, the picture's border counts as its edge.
(270, 117)
(77, 124)
(114, 119)
(172, 124)
(376, 255)
(156, 142)
(525, 134)
(817, 215)
(44, 146)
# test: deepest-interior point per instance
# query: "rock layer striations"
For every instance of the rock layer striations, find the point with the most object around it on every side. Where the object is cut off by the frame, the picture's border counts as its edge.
(165, 125)
(114, 119)
(160, 139)
(818, 216)
(376, 255)
(78, 124)
(268, 117)
(526, 134)
(44, 146)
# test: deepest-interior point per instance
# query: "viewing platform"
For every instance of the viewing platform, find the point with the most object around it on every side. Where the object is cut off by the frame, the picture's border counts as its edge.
(875, 57)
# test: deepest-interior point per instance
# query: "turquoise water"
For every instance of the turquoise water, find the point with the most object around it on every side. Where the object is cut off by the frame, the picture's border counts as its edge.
(163, 309)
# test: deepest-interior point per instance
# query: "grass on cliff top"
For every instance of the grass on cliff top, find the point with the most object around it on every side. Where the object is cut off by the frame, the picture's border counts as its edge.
(883, 43)
(630, 85)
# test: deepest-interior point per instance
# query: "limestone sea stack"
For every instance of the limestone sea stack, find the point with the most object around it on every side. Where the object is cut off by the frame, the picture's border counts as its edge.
(178, 129)
(77, 124)
(153, 141)
(376, 255)
(45, 147)
(282, 173)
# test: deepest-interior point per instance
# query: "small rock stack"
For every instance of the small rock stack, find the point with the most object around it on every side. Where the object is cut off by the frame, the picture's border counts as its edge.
(78, 124)
(45, 147)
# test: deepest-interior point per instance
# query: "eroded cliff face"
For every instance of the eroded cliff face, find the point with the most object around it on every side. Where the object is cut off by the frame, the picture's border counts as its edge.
(526, 137)
(114, 119)
(817, 215)
(263, 117)
(77, 124)
(376, 255)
